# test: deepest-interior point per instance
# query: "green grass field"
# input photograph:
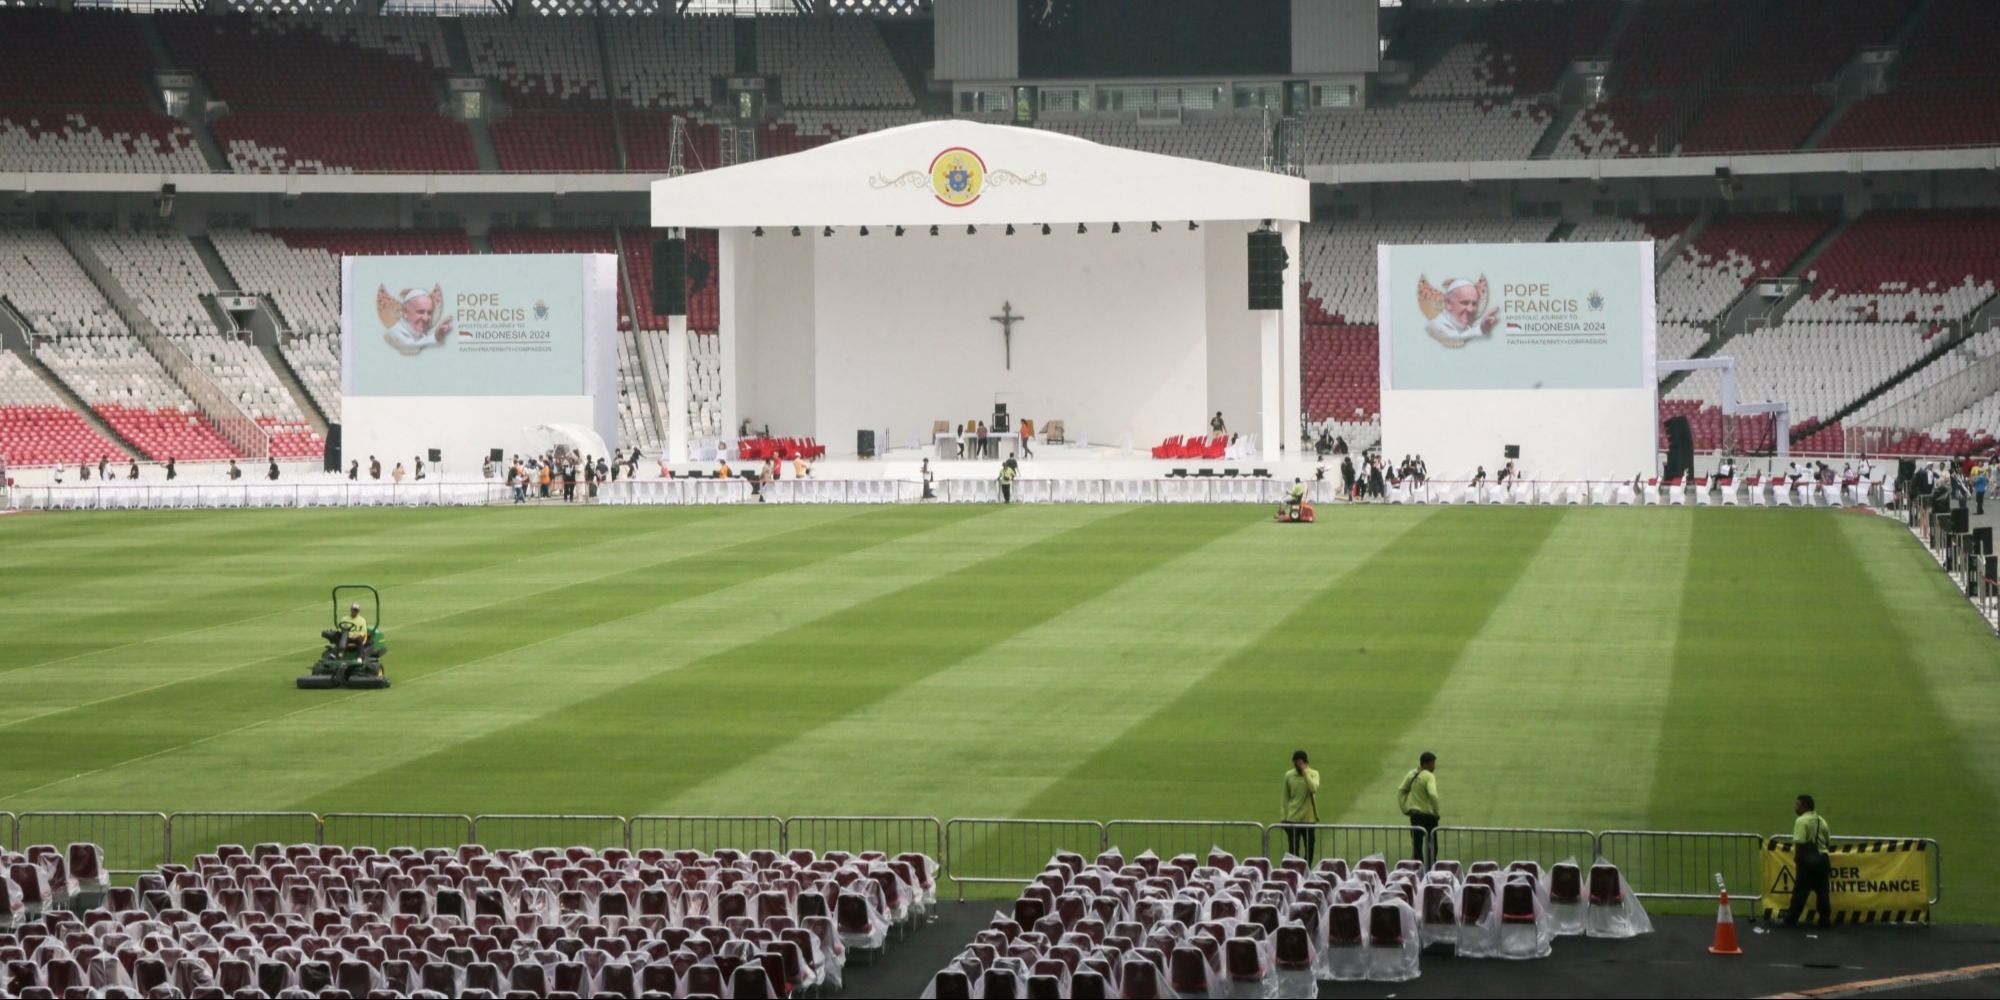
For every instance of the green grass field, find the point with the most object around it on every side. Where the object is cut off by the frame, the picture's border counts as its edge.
(1594, 668)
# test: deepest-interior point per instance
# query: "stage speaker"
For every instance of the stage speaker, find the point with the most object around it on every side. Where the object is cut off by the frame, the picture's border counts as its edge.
(496, 455)
(864, 444)
(1961, 521)
(330, 458)
(1513, 451)
(670, 277)
(1982, 541)
(999, 418)
(1268, 260)
(1905, 468)
(1680, 448)
(434, 456)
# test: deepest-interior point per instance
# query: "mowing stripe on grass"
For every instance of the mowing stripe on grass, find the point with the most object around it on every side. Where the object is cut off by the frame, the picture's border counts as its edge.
(1009, 719)
(118, 607)
(291, 634)
(1826, 699)
(461, 630)
(390, 747)
(1959, 666)
(1586, 636)
(1343, 678)
(916, 614)
(1927, 609)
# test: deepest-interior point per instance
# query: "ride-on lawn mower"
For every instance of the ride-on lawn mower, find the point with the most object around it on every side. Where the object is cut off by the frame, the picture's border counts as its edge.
(354, 647)
(1288, 514)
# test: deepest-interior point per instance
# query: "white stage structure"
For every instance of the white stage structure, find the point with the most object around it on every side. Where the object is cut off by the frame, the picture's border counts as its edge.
(1128, 336)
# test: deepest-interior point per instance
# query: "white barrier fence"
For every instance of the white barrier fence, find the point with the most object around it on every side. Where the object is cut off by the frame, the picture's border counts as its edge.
(1192, 489)
(262, 495)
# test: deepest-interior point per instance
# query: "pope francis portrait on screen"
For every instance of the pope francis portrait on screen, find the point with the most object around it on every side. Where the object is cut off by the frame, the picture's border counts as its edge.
(1457, 312)
(411, 319)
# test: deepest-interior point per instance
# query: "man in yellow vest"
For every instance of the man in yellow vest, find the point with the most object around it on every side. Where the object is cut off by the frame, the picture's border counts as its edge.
(353, 629)
(1301, 809)
(1417, 798)
(1812, 868)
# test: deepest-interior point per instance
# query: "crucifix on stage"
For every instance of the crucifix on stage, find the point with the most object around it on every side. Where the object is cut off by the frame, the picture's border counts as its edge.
(1007, 319)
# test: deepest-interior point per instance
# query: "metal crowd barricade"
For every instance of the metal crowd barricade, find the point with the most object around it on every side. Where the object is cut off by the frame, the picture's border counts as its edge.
(1168, 837)
(386, 830)
(133, 842)
(522, 831)
(705, 833)
(1508, 844)
(892, 835)
(192, 833)
(1664, 864)
(1351, 842)
(9, 839)
(1011, 852)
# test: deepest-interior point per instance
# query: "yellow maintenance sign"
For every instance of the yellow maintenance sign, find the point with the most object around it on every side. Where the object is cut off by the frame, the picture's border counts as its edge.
(1873, 881)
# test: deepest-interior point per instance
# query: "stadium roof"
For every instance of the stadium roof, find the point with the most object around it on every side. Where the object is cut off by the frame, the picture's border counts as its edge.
(960, 173)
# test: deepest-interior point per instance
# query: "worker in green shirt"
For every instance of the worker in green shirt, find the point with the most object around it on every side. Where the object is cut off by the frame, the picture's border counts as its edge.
(1301, 808)
(353, 629)
(1007, 472)
(1294, 500)
(1813, 869)
(1417, 798)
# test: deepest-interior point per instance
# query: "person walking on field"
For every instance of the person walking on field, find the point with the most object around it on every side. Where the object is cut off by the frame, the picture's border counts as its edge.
(1301, 808)
(1417, 798)
(1812, 869)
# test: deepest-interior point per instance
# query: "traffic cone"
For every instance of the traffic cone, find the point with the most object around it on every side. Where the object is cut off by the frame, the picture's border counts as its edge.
(1725, 930)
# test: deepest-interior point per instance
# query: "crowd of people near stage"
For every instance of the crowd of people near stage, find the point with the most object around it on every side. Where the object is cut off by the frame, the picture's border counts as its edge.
(1375, 477)
(1961, 484)
(554, 474)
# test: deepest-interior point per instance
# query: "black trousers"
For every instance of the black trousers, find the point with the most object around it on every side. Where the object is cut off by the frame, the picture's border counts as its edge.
(1302, 841)
(1006, 493)
(1812, 875)
(1423, 837)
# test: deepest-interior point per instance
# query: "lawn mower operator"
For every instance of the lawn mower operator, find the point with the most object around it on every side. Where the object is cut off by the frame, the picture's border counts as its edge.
(353, 628)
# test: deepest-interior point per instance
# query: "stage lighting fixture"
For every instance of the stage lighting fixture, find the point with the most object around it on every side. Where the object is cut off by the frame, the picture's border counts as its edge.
(1115, 228)
(899, 230)
(1192, 226)
(1045, 229)
(1156, 227)
(969, 230)
(933, 230)
(828, 231)
(795, 230)
(1010, 229)
(1081, 229)
(759, 231)
(864, 230)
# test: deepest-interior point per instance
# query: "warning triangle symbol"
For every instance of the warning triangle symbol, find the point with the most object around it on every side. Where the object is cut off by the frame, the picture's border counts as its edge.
(1782, 885)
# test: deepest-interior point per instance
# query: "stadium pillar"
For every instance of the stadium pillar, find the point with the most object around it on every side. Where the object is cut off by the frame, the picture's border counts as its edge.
(1291, 380)
(1270, 397)
(677, 389)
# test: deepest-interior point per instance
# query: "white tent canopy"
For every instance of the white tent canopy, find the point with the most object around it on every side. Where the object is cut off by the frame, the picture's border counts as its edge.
(1131, 336)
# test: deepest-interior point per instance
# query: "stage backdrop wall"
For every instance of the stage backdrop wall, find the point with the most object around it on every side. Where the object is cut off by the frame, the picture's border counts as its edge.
(1113, 345)
(460, 353)
(1549, 346)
